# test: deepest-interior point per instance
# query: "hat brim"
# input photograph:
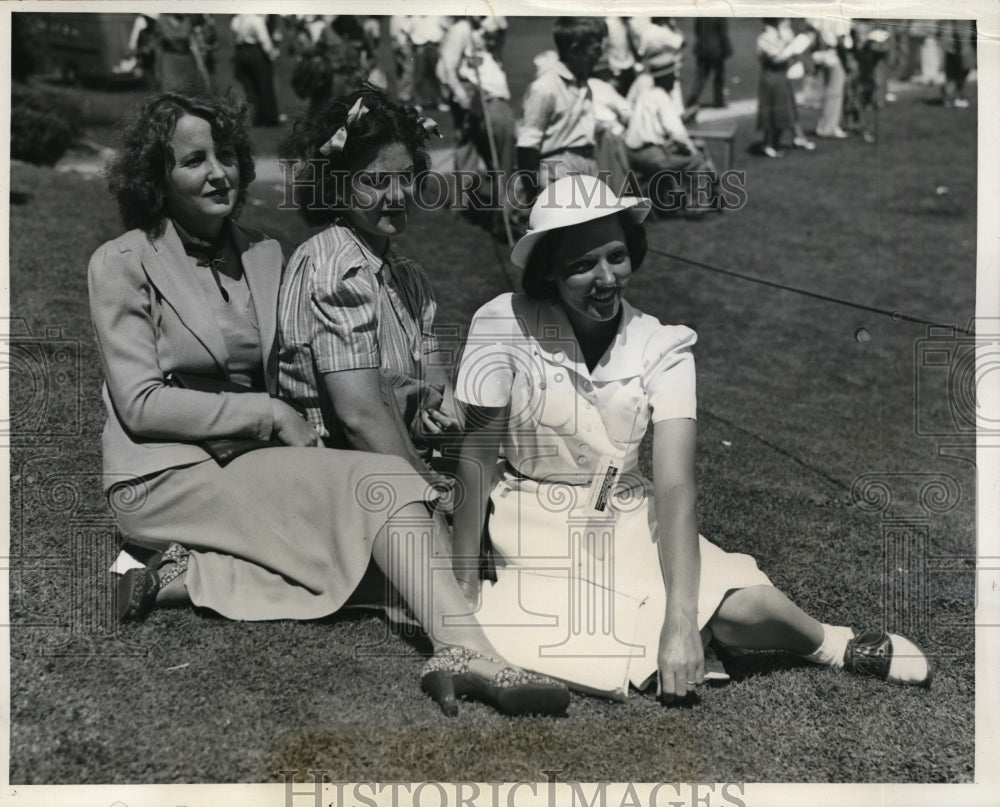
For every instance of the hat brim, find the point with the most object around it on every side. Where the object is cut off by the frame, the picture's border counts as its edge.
(636, 206)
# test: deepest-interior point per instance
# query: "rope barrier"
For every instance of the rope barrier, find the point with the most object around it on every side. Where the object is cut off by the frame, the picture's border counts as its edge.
(895, 315)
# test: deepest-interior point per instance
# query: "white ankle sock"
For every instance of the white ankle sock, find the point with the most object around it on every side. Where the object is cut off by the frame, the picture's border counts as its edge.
(831, 652)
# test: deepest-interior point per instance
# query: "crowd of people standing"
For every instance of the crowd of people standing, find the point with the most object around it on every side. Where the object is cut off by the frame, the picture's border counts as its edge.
(608, 98)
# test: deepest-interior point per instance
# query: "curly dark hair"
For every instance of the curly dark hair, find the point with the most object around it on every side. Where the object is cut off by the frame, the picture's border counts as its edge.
(534, 280)
(137, 177)
(385, 122)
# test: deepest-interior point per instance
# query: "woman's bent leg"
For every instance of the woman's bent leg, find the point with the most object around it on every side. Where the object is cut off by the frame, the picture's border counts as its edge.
(763, 618)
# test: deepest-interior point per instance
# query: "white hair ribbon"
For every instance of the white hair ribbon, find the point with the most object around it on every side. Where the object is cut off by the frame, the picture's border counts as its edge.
(430, 127)
(336, 143)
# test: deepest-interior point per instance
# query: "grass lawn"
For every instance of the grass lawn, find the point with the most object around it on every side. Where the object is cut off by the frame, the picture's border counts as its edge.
(794, 410)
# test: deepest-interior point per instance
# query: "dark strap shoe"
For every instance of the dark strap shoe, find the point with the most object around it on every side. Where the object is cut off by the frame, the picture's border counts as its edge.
(888, 657)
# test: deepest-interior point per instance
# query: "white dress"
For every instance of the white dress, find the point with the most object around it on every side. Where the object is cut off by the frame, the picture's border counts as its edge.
(580, 594)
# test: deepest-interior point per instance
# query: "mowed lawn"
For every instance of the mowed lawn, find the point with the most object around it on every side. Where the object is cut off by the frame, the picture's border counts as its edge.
(797, 409)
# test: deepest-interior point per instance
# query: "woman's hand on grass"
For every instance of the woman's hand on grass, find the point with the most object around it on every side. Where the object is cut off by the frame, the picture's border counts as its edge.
(681, 658)
(290, 427)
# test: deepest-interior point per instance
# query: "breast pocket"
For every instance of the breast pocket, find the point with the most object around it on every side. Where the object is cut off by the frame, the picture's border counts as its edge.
(626, 412)
(559, 402)
(543, 397)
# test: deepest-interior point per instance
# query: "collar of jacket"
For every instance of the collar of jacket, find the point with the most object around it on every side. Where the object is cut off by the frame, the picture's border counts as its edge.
(167, 266)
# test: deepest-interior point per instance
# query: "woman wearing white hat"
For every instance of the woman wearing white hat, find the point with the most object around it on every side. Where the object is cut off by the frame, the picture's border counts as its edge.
(602, 578)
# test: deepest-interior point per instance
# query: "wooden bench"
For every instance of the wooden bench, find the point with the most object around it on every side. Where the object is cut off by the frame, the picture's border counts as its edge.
(721, 132)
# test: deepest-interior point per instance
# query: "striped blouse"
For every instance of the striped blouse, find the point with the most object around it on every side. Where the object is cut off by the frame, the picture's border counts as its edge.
(342, 307)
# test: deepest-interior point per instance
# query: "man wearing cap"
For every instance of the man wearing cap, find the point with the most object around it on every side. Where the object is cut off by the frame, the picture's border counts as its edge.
(661, 150)
(557, 131)
(659, 42)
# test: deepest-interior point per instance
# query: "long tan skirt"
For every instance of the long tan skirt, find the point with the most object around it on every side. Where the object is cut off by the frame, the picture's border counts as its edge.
(279, 533)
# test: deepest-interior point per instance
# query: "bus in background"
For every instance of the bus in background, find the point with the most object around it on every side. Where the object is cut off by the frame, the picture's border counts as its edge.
(89, 48)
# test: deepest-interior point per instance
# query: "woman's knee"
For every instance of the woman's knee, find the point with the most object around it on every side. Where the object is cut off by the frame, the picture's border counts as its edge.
(747, 606)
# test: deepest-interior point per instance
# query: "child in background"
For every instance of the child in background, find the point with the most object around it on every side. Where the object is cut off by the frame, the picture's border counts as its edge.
(557, 134)
(871, 49)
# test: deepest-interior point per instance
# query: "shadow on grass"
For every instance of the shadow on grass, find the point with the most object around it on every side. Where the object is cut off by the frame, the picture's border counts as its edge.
(743, 666)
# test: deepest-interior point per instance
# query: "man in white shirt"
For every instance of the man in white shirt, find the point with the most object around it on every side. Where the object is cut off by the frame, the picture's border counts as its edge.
(679, 174)
(426, 34)
(253, 66)
(402, 54)
(832, 35)
(480, 98)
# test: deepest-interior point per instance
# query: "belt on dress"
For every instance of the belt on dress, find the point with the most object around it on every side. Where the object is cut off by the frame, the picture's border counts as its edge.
(525, 478)
(513, 471)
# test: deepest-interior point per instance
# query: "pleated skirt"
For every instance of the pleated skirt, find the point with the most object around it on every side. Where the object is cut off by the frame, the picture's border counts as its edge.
(775, 100)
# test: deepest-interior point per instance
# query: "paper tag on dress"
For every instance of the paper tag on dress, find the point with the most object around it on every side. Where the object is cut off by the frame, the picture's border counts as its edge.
(603, 484)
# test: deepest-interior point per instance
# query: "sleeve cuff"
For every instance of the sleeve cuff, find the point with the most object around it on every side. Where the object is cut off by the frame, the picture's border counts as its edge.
(265, 421)
(672, 414)
(529, 137)
(330, 354)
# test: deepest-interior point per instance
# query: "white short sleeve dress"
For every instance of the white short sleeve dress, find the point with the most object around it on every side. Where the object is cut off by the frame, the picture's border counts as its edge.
(580, 594)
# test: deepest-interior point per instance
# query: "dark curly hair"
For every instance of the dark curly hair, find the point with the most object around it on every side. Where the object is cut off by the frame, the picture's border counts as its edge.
(386, 122)
(137, 177)
(534, 280)
(573, 32)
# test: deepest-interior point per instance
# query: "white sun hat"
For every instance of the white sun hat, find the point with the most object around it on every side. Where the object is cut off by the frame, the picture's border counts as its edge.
(573, 200)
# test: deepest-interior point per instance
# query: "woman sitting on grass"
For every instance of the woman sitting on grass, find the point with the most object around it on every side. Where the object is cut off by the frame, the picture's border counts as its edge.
(184, 305)
(356, 318)
(602, 578)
